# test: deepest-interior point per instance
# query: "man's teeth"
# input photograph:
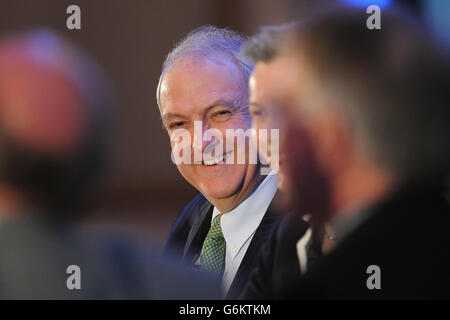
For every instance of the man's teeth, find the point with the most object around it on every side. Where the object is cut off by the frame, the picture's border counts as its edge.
(217, 159)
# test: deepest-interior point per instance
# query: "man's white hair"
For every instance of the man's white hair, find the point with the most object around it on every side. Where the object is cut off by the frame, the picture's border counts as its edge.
(207, 41)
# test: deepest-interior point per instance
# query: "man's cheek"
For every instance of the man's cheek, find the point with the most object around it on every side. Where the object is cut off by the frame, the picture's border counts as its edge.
(187, 173)
(181, 147)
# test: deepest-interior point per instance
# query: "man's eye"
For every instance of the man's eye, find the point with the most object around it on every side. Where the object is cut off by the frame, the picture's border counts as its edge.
(222, 113)
(176, 125)
(255, 113)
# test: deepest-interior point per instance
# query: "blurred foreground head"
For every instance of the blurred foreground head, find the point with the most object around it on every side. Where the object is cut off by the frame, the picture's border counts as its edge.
(53, 123)
(366, 111)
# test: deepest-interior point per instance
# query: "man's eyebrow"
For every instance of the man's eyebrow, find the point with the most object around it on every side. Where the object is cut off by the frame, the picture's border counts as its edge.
(256, 104)
(169, 115)
(227, 103)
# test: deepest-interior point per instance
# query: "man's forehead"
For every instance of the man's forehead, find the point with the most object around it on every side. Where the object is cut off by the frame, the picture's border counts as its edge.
(200, 82)
(274, 78)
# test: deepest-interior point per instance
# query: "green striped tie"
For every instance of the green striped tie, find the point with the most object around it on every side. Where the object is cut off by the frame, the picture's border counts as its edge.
(212, 256)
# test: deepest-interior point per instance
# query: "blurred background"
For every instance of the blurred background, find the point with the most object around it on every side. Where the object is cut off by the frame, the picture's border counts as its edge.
(129, 39)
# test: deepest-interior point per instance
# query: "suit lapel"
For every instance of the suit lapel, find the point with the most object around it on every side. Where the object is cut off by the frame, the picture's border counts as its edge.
(251, 257)
(197, 234)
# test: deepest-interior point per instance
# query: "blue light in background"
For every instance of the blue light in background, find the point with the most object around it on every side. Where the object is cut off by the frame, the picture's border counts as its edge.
(437, 12)
(365, 3)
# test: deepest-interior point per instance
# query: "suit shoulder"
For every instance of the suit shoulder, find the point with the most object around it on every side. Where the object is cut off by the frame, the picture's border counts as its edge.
(191, 209)
(292, 226)
(181, 226)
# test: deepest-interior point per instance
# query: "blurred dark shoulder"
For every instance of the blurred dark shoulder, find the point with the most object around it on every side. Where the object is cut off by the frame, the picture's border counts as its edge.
(278, 268)
(37, 256)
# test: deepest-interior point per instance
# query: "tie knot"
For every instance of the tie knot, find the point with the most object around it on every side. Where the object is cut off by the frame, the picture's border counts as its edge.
(216, 229)
(216, 220)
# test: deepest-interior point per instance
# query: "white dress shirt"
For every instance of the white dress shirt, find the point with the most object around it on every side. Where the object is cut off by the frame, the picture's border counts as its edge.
(239, 226)
(302, 256)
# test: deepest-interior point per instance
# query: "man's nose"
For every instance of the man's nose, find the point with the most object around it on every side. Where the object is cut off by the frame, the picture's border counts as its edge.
(197, 143)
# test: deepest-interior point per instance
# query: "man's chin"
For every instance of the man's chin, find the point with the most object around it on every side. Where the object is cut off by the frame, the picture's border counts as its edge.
(217, 194)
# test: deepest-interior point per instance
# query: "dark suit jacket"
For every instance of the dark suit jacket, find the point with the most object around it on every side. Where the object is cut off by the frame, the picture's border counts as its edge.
(189, 231)
(407, 236)
(279, 268)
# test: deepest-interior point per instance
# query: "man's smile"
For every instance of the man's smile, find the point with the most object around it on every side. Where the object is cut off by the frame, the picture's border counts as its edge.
(217, 159)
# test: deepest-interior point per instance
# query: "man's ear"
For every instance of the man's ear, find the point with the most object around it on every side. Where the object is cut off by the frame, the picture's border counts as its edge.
(333, 141)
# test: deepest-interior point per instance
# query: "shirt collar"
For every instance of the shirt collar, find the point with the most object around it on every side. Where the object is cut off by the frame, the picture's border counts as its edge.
(241, 222)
